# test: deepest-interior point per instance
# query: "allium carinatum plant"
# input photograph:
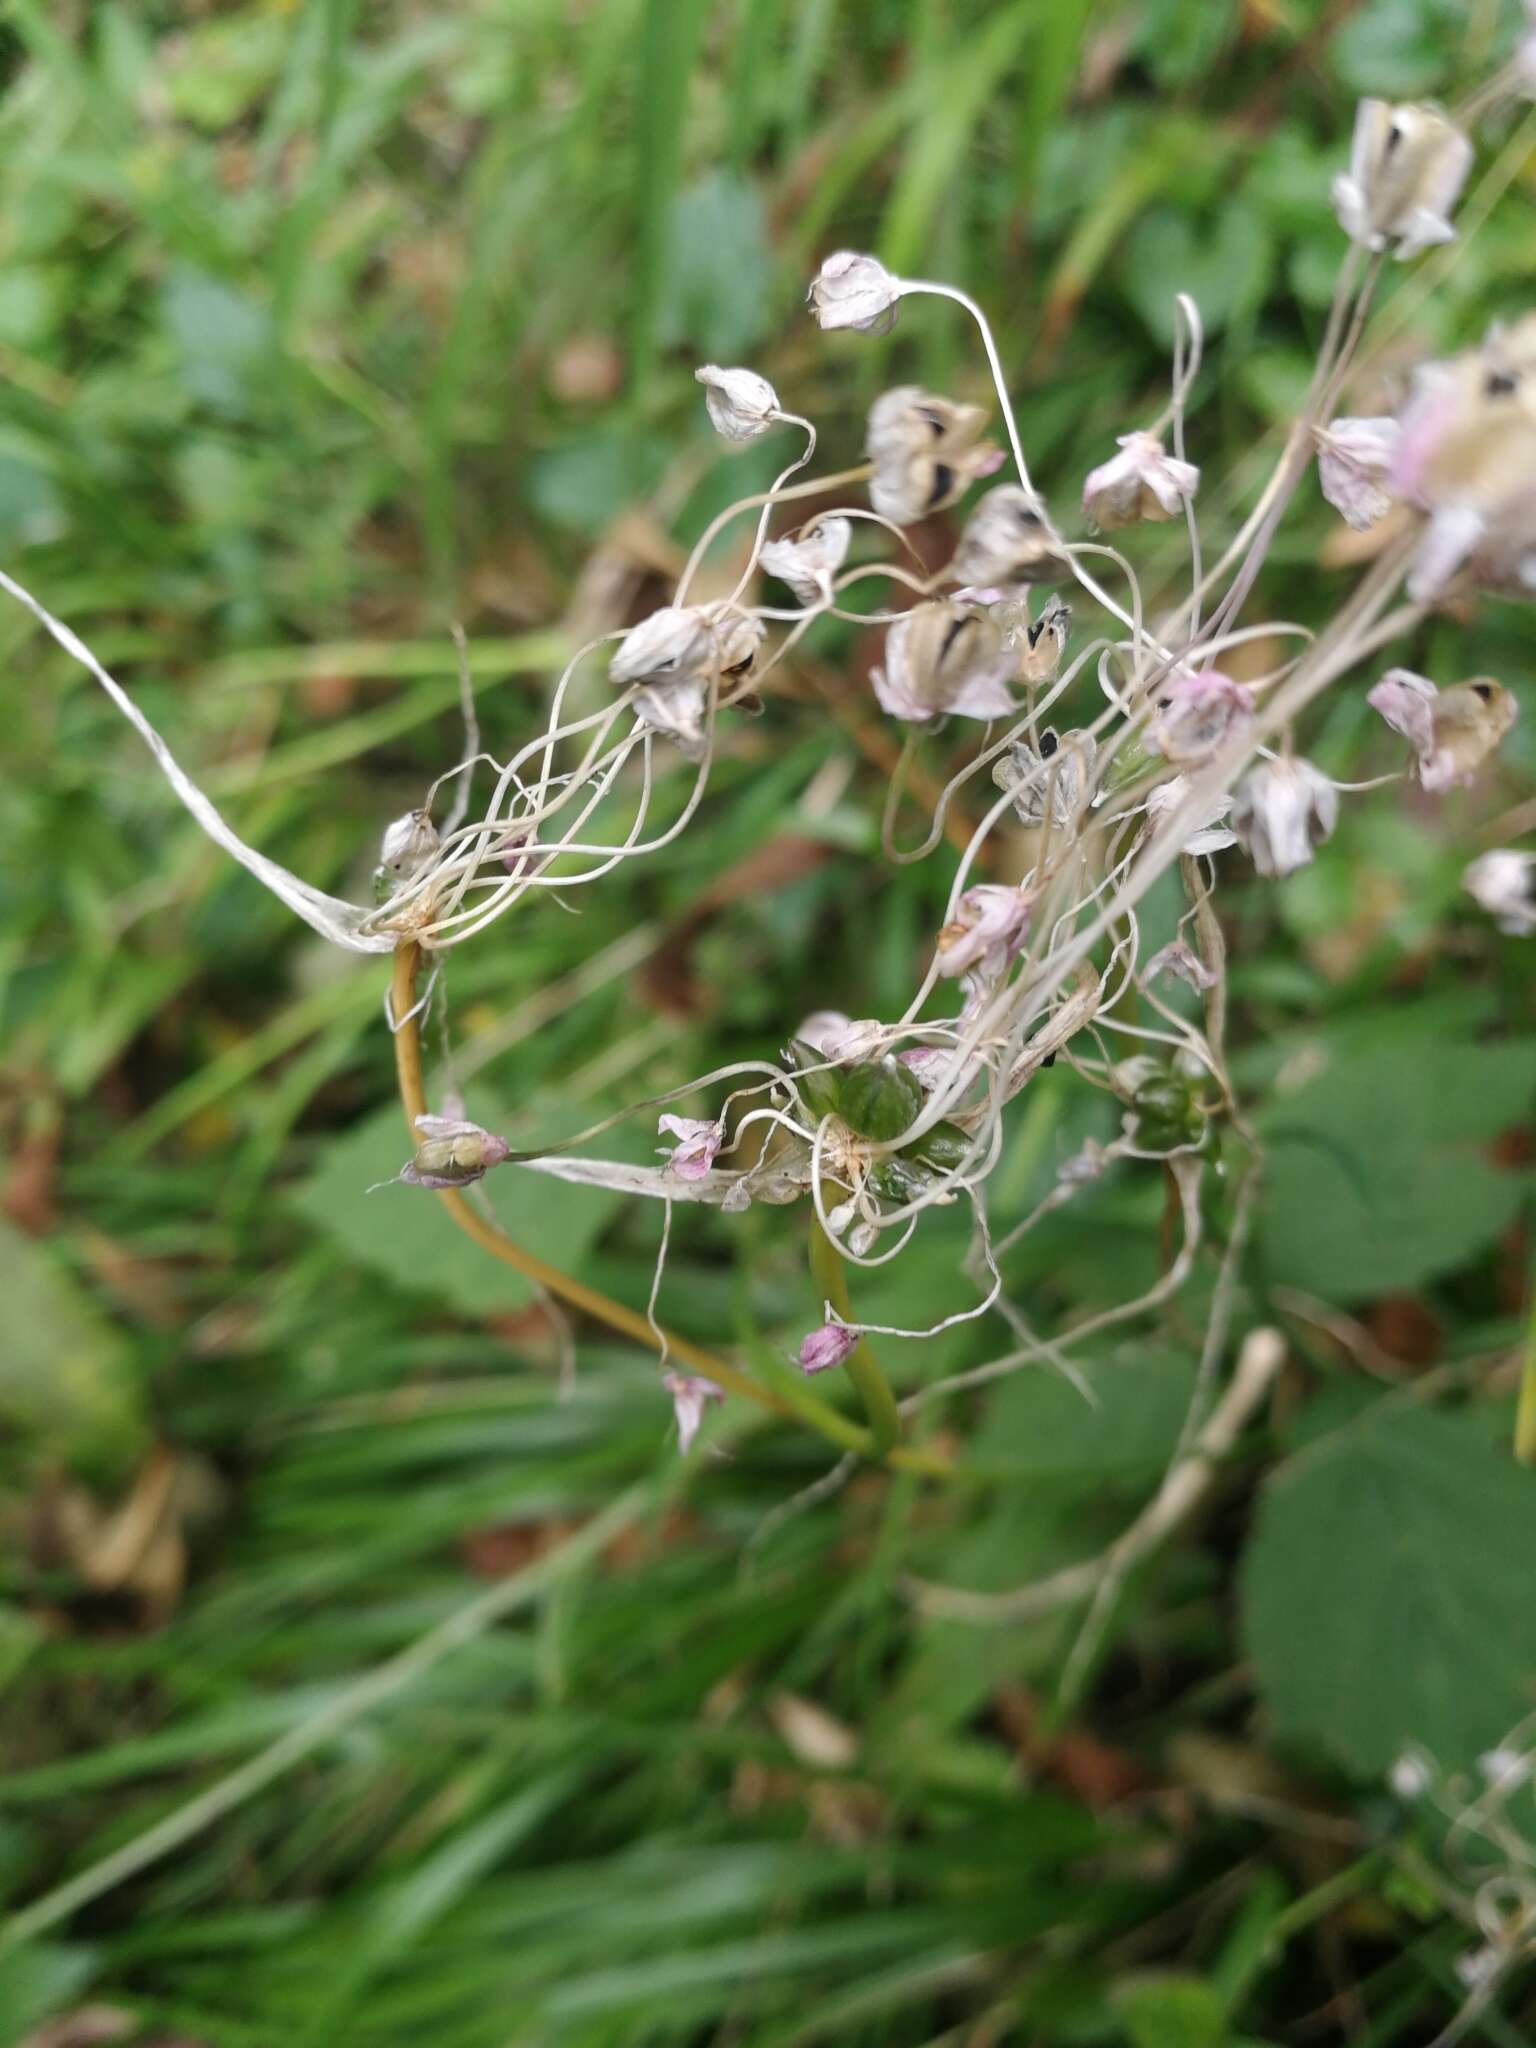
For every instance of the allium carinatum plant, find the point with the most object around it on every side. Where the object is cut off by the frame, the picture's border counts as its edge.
(1082, 742)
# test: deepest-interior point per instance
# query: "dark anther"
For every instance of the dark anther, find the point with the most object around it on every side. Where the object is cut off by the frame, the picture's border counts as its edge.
(955, 628)
(943, 484)
(1048, 744)
(1483, 690)
(1499, 384)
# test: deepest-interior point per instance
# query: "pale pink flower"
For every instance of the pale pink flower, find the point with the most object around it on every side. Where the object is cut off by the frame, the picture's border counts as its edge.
(1211, 835)
(1180, 958)
(1197, 711)
(452, 1153)
(809, 561)
(1282, 812)
(1355, 460)
(1141, 482)
(986, 930)
(1407, 165)
(942, 658)
(1452, 731)
(825, 1347)
(924, 451)
(698, 1142)
(690, 1395)
(1504, 884)
(853, 290)
(841, 1038)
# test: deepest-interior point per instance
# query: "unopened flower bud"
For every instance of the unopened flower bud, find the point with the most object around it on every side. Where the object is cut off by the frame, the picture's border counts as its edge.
(1504, 884)
(1141, 482)
(1059, 774)
(1197, 711)
(1282, 812)
(986, 930)
(809, 561)
(925, 451)
(690, 1395)
(1354, 465)
(741, 405)
(1452, 732)
(825, 1347)
(851, 290)
(1007, 539)
(408, 847)
(452, 1153)
(945, 657)
(699, 1140)
(1407, 165)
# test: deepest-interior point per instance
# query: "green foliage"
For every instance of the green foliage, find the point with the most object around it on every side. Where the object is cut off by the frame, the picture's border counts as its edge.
(1379, 1603)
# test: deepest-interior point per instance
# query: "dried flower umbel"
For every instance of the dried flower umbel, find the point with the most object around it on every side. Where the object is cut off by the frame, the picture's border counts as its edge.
(1083, 743)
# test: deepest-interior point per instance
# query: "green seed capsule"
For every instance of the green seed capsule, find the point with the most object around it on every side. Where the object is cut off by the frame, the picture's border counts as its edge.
(880, 1098)
(897, 1180)
(821, 1091)
(944, 1146)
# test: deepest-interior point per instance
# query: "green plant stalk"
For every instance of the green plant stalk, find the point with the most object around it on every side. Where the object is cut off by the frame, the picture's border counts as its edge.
(870, 1383)
(1525, 1410)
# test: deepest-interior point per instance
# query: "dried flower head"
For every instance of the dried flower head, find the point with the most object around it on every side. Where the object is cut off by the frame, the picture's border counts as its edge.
(1282, 812)
(408, 849)
(452, 1153)
(696, 641)
(925, 451)
(1466, 454)
(809, 561)
(1354, 466)
(986, 930)
(945, 657)
(1453, 731)
(825, 1347)
(740, 403)
(690, 1396)
(1180, 958)
(1504, 884)
(698, 1140)
(852, 290)
(1007, 539)
(1407, 165)
(1058, 773)
(1141, 482)
(1211, 835)
(1197, 711)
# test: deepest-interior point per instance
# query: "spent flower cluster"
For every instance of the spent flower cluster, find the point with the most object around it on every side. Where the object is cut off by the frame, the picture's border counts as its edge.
(1103, 733)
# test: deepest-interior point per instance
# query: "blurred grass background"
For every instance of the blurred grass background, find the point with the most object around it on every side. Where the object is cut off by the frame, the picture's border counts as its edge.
(325, 324)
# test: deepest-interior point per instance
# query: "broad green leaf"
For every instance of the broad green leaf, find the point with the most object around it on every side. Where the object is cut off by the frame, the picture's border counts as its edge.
(1171, 2012)
(402, 1233)
(1122, 1430)
(1387, 1594)
(66, 1377)
(1374, 1179)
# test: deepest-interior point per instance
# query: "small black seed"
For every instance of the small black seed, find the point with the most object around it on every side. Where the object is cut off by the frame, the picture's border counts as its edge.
(943, 484)
(1048, 744)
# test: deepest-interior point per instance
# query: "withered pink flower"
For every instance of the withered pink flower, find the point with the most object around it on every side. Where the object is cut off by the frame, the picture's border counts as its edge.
(741, 404)
(1282, 812)
(1407, 165)
(925, 451)
(853, 290)
(1211, 836)
(1007, 540)
(1355, 460)
(987, 929)
(690, 1395)
(1197, 711)
(942, 658)
(1452, 732)
(698, 1142)
(1141, 482)
(837, 1037)
(826, 1347)
(1504, 884)
(809, 561)
(452, 1153)
(1180, 958)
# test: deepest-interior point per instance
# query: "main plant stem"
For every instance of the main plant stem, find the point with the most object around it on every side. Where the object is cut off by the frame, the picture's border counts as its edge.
(861, 1364)
(803, 1407)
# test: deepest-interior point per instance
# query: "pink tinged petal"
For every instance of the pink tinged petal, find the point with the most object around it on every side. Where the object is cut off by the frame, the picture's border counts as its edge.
(825, 1347)
(1197, 712)
(987, 928)
(893, 697)
(984, 694)
(1406, 702)
(690, 1395)
(1179, 958)
(1354, 460)
(699, 1140)
(1283, 811)
(1452, 534)
(1429, 415)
